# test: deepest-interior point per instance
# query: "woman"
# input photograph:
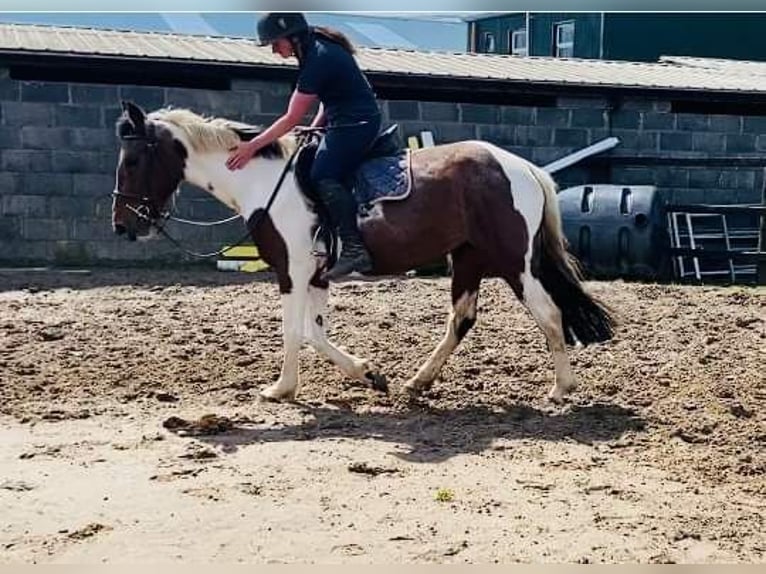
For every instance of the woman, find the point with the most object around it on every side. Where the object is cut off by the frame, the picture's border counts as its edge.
(329, 74)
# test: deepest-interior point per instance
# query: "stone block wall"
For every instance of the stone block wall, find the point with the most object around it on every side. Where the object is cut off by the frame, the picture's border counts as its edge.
(58, 154)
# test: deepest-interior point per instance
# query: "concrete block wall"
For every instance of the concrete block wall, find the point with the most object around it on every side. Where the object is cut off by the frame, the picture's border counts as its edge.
(58, 154)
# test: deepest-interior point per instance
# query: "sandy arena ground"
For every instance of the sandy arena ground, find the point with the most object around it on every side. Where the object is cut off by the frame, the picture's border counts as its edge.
(658, 457)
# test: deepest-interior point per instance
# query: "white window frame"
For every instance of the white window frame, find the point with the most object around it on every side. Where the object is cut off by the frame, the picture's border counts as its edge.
(486, 37)
(561, 47)
(518, 33)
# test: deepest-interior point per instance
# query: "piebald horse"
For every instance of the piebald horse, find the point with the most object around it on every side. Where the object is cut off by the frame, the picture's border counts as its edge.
(493, 213)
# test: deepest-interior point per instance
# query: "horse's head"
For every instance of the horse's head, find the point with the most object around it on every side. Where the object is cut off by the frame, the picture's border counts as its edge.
(150, 169)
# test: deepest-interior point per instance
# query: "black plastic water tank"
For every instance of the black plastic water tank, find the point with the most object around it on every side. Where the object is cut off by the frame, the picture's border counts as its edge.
(615, 230)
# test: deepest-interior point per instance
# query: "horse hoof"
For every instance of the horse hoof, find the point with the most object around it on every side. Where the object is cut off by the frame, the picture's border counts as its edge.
(415, 387)
(557, 398)
(378, 381)
(273, 394)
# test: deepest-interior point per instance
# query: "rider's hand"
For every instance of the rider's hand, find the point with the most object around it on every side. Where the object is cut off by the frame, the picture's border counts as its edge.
(241, 154)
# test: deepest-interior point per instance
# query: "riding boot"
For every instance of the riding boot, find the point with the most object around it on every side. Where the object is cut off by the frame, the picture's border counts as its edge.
(342, 209)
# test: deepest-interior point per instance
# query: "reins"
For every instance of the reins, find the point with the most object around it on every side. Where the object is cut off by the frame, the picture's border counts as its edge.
(143, 211)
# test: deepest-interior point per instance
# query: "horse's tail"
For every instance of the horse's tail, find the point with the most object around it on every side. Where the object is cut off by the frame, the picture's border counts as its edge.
(589, 319)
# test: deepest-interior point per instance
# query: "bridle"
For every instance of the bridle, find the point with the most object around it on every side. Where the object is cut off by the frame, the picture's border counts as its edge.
(144, 210)
(146, 205)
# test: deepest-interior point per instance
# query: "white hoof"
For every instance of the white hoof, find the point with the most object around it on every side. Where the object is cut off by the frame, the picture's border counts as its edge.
(416, 386)
(276, 392)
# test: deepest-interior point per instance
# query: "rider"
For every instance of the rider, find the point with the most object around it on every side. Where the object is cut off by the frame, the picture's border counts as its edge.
(329, 74)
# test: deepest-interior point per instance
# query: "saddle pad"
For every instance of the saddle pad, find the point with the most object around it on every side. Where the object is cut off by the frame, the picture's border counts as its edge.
(383, 179)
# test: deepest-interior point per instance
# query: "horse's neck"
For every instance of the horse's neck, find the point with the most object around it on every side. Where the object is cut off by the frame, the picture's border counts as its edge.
(244, 190)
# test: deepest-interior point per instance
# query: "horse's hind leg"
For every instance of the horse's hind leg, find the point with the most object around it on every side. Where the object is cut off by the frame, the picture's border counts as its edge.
(467, 271)
(316, 323)
(547, 315)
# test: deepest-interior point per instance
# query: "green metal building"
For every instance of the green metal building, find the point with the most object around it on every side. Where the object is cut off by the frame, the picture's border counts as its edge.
(621, 36)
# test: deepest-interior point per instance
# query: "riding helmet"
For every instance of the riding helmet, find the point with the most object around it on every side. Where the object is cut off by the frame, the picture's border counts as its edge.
(276, 25)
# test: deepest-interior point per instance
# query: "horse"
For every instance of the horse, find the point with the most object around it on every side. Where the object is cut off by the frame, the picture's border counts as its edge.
(490, 213)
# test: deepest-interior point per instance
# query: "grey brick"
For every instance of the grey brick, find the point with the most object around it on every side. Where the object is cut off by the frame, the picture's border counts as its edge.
(704, 177)
(46, 183)
(668, 176)
(34, 137)
(273, 103)
(567, 137)
(68, 207)
(480, 113)
(760, 143)
(754, 125)
(84, 161)
(44, 92)
(675, 141)
(27, 114)
(709, 142)
(10, 138)
(637, 141)
(261, 86)
(227, 104)
(533, 136)
(744, 143)
(9, 89)
(149, 98)
(626, 119)
(10, 183)
(101, 229)
(658, 121)
(726, 124)
(88, 184)
(94, 94)
(10, 230)
(553, 117)
(27, 205)
(440, 111)
(521, 151)
(72, 253)
(404, 110)
(78, 116)
(44, 228)
(94, 139)
(583, 103)
(109, 118)
(633, 176)
(588, 118)
(517, 115)
(662, 106)
(638, 105)
(545, 155)
(693, 122)
(453, 132)
(26, 160)
(500, 135)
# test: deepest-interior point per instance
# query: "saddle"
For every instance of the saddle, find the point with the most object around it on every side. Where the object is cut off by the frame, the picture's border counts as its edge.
(385, 174)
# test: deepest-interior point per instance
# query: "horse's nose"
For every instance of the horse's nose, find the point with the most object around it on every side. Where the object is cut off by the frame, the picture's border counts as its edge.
(119, 228)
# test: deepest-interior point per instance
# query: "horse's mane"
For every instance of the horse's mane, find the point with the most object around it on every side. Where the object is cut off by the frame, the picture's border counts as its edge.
(207, 134)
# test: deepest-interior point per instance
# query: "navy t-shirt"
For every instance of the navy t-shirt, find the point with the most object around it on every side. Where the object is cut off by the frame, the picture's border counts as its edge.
(332, 73)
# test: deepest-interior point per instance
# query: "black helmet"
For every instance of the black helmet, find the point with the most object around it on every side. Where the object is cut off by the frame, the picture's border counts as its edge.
(276, 25)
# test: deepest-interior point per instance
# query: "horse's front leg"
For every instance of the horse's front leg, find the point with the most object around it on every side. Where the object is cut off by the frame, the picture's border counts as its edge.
(316, 335)
(293, 316)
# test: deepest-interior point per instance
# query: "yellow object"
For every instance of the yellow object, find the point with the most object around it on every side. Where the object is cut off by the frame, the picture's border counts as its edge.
(241, 258)
(413, 143)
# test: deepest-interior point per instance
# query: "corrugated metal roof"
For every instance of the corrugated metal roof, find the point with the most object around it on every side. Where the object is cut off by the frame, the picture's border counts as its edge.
(739, 67)
(555, 71)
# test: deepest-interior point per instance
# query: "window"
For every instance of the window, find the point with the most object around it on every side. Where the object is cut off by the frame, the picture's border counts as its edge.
(518, 42)
(564, 35)
(489, 42)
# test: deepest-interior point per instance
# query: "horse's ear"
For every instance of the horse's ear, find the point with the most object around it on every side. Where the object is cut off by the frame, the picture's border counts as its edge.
(136, 115)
